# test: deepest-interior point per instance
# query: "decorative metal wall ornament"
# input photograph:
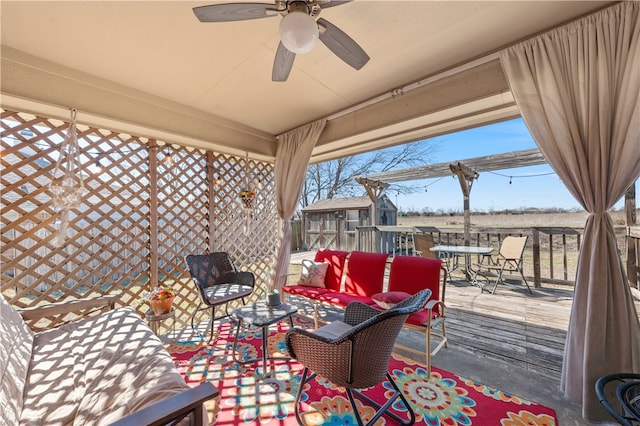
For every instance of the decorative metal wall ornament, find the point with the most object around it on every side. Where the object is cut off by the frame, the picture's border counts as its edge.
(67, 183)
(247, 197)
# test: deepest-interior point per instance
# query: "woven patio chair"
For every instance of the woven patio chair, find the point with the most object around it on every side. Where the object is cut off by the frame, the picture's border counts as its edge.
(354, 353)
(625, 406)
(218, 282)
(509, 259)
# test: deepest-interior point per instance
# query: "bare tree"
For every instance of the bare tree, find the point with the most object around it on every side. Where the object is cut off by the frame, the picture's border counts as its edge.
(335, 178)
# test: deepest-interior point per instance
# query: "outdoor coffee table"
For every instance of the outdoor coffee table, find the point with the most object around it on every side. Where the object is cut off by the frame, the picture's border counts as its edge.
(261, 315)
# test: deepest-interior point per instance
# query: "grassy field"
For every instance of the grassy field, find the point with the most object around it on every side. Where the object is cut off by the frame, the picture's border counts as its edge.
(509, 220)
(552, 263)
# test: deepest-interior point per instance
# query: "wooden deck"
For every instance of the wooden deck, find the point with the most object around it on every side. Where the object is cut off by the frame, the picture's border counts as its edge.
(526, 330)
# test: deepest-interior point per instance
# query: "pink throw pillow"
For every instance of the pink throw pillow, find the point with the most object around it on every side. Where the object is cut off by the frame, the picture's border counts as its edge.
(313, 273)
(389, 299)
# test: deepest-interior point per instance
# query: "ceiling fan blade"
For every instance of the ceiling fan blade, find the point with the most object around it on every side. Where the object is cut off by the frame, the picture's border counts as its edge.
(331, 3)
(342, 45)
(228, 12)
(282, 64)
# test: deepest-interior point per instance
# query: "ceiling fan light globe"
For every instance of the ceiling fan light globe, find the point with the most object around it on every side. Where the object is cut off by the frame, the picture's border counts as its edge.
(299, 32)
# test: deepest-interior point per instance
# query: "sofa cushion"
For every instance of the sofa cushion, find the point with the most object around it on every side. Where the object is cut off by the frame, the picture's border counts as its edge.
(313, 273)
(97, 370)
(305, 291)
(414, 273)
(343, 299)
(365, 273)
(336, 260)
(421, 317)
(389, 299)
(16, 341)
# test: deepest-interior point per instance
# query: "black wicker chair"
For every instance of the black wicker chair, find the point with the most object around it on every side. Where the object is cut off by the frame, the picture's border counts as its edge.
(219, 282)
(354, 353)
(627, 393)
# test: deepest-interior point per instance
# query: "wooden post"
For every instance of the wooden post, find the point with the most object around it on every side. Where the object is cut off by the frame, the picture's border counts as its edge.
(537, 282)
(374, 189)
(466, 177)
(630, 209)
(153, 212)
(338, 239)
(211, 182)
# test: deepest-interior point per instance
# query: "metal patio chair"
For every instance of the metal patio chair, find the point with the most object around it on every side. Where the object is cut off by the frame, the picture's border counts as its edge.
(218, 282)
(626, 407)
(509, 259)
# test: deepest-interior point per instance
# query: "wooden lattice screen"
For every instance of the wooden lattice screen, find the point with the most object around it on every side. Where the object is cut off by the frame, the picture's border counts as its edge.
(149, 205)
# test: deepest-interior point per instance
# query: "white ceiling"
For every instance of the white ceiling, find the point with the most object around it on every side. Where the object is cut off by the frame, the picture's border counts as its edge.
(152, 64)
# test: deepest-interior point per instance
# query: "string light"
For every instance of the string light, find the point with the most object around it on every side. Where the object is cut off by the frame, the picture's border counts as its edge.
(524, 176)
(426, 188)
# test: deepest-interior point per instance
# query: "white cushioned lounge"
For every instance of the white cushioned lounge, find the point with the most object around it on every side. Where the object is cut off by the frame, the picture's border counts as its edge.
(95, 371)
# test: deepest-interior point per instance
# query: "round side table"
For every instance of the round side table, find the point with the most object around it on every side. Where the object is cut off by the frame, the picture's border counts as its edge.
(154, 320)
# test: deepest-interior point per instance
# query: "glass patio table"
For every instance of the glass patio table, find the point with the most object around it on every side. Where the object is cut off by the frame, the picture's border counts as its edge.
(451, 254)
(261, 315)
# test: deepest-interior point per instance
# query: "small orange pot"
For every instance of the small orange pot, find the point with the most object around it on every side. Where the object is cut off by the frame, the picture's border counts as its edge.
(161, 307)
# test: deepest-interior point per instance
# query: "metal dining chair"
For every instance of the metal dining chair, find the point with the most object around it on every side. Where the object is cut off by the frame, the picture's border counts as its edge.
(626, 407)
(509, 259)
(218, 282)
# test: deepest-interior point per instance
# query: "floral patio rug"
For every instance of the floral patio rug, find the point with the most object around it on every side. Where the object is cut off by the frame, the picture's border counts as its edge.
(249, 397)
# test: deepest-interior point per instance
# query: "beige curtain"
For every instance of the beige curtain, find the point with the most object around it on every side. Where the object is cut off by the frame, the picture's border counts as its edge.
(578, 88)
(292, 159)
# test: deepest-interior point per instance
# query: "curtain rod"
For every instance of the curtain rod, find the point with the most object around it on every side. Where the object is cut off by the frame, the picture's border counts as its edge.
(412, 86)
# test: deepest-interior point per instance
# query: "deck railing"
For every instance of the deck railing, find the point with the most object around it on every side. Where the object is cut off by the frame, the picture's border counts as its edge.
(633, 256)
(551, 253)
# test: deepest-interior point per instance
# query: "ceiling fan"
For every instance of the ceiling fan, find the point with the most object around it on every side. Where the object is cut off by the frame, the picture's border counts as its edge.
(300, 29)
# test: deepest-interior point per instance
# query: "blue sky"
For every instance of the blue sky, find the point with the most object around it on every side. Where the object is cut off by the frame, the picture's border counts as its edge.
(534, 186)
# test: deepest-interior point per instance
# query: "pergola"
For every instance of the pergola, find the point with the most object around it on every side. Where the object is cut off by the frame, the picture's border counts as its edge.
(466, 170)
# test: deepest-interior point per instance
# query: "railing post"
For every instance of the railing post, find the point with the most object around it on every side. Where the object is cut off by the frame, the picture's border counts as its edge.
(630, 209)
(537, 283)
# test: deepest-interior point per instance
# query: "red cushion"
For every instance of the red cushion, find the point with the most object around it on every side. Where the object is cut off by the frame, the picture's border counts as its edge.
(336, 260)
(420, 317)
(389, 299)
(343, 299)
(415, 273)
(303, 290)
(365, 273)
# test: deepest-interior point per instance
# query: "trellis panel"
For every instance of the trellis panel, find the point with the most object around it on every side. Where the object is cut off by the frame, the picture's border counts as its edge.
(140, 216)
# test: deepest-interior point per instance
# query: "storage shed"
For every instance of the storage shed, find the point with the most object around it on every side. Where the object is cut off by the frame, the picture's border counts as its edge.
(332, 223)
